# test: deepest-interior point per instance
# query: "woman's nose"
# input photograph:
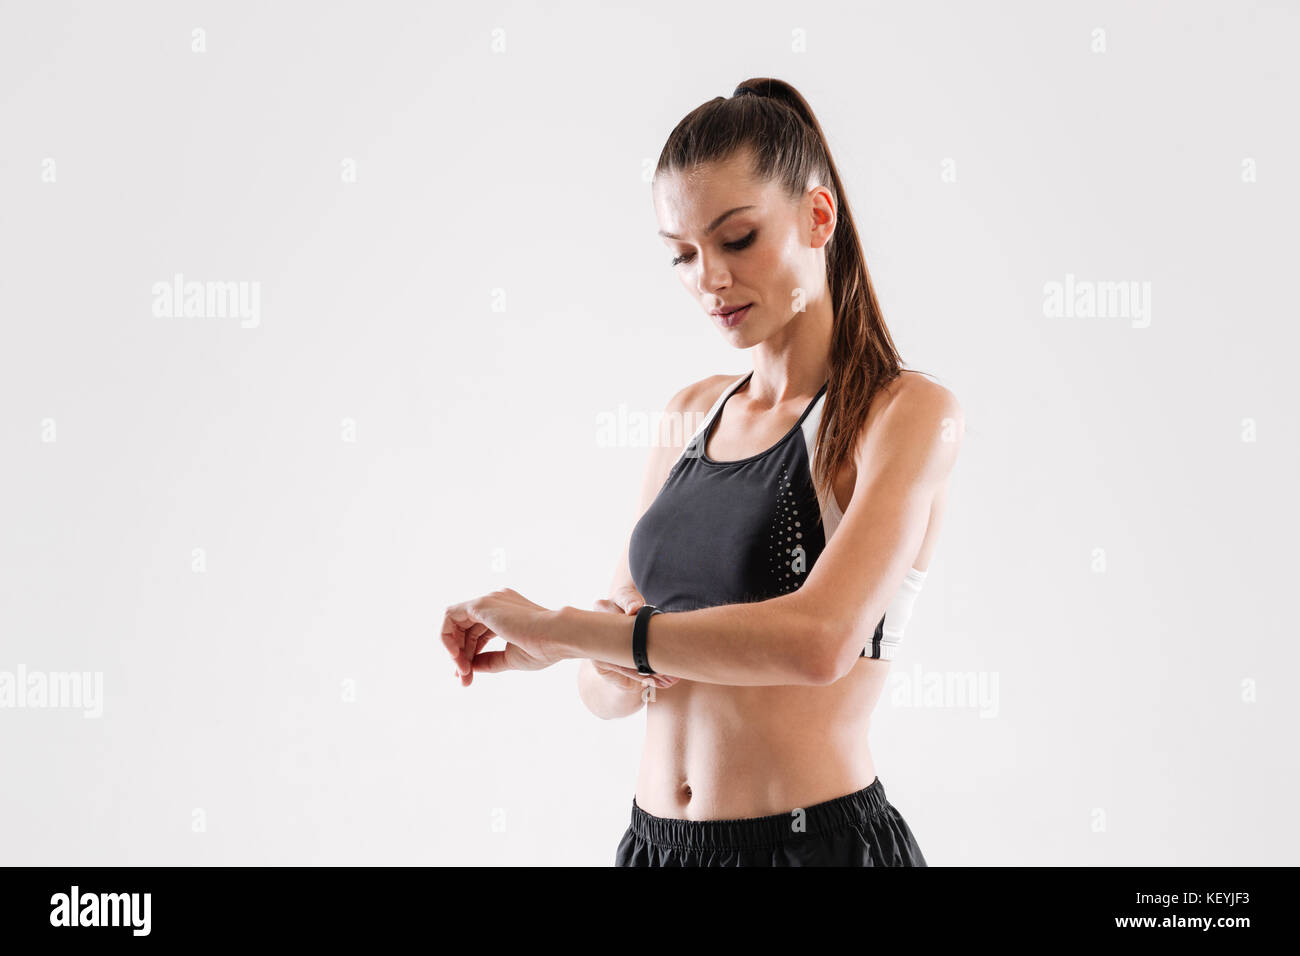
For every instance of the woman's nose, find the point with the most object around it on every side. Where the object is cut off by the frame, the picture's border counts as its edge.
(713, 276)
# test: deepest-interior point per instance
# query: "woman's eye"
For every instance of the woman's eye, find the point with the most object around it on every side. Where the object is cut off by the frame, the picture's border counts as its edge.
(742, 243)
(736, 246)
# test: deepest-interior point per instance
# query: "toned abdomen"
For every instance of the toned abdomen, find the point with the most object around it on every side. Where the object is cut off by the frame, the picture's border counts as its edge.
(714, 751)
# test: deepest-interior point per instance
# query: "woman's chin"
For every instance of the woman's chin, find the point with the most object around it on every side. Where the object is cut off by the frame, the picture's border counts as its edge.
(739, 338)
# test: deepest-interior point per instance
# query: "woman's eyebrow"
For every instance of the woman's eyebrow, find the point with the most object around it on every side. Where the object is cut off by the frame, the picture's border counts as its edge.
(713, 225)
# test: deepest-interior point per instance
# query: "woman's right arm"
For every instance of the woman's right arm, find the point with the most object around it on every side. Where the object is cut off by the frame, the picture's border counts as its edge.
(607, 690)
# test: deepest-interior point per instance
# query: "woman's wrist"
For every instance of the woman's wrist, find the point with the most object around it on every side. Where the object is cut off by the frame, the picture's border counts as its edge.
(594, 635)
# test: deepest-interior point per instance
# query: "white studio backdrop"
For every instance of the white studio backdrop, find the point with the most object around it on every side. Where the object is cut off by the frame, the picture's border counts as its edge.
(448, 316)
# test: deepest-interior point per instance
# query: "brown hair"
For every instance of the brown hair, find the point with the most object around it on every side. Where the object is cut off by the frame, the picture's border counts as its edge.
(778, 127)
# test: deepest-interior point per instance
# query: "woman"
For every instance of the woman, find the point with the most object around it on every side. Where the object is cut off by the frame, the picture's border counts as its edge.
(766, 584)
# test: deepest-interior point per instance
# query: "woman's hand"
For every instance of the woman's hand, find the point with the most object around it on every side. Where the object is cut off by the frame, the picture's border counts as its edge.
(627, 601)
(526, 627)
(627, 678)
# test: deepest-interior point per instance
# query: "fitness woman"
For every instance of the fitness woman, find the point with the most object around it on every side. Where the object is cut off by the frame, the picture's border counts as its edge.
(767, 582)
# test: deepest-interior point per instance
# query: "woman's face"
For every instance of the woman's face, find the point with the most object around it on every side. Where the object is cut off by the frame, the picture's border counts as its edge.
(739, 243)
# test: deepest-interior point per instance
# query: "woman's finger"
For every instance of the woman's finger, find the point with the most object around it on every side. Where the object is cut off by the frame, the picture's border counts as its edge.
(457, 625)
(629, 599)
(480, 642)
(453, 638)
(659, 680)
(489, 662)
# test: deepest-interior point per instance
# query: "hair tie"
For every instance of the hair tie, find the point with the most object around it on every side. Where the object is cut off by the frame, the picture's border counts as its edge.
(742, 90)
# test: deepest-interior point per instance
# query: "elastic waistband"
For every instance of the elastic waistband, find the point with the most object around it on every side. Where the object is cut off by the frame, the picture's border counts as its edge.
(761, 831)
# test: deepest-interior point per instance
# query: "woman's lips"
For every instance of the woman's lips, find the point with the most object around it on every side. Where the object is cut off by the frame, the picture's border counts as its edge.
(732, 319)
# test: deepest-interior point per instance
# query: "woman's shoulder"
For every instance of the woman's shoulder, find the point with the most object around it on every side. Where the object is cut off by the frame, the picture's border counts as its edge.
(915, 392)
(913, 405)
(700, 396)
(688, 408)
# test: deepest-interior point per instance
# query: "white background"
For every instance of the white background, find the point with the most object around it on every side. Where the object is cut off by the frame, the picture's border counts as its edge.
(1144, 714)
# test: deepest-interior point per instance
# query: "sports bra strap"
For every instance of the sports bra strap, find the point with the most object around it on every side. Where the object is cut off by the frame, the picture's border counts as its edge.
(693, 446)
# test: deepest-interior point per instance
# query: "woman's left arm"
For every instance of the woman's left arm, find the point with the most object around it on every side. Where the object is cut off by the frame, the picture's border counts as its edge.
(810, 636)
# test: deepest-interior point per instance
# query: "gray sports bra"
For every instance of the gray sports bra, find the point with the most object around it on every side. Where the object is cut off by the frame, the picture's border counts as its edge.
(733, 532)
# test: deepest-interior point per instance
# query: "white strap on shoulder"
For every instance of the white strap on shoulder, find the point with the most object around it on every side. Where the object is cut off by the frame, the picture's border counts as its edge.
(693, 446)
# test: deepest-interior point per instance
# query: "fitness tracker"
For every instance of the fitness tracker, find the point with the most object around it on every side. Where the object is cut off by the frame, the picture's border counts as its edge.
(643, 616)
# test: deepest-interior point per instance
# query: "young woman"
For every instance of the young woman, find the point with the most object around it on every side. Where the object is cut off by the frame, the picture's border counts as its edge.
(766, 585)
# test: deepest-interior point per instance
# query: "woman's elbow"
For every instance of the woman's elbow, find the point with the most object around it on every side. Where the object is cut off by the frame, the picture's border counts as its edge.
(830, 656)
(830, 667)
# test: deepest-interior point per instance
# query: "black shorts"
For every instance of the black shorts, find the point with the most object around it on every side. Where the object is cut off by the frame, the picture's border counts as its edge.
(858, 829)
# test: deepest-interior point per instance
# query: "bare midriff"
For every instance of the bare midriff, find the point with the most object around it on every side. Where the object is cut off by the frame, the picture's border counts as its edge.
(722, 752)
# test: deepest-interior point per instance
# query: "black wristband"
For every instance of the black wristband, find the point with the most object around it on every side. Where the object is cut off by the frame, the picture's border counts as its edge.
(643, 616)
